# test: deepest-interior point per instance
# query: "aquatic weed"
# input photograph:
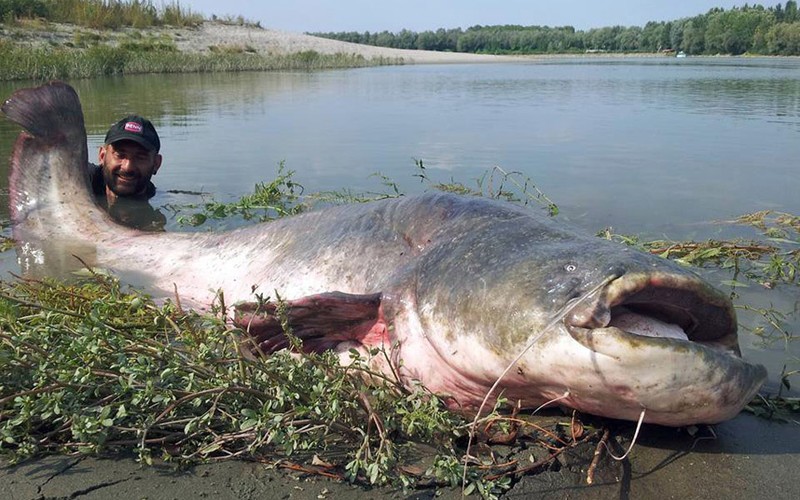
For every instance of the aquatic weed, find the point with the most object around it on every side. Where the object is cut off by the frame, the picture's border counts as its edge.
(768, 261)
(271, 200)
(495, 183)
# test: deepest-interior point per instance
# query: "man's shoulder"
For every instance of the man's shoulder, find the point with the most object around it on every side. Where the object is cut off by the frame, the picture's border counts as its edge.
(96, 179)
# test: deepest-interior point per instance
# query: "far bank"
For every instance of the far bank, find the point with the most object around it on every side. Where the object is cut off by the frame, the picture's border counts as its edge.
(41, 50)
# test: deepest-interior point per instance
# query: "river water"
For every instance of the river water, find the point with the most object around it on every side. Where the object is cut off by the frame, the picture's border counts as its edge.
(661, 147)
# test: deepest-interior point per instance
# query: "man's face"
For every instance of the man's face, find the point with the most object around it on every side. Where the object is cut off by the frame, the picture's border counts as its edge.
(127, 167)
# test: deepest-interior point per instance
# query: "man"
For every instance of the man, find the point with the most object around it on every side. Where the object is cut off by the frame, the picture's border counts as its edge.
(121, 182)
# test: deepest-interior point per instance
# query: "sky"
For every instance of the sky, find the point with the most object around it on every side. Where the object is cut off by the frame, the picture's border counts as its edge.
(421, 15)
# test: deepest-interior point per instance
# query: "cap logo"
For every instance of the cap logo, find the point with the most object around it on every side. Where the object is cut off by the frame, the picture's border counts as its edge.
(134, 127)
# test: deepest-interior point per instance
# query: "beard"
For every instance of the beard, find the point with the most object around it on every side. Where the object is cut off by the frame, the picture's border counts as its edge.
(127, 184)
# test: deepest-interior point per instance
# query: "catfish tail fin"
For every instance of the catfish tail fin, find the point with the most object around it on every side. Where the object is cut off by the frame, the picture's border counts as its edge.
(48, 112)
(53, 212)
(49, 161)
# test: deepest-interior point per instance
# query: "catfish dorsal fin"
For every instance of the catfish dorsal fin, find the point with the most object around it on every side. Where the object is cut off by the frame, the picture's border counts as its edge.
(322, 322)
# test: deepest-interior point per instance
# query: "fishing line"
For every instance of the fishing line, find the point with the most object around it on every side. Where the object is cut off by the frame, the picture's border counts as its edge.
(633, 441)
(563, 396)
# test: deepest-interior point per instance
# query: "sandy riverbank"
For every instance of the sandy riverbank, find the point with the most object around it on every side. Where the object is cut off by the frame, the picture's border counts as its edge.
(275, 41)
(749, 458)
(220, 36)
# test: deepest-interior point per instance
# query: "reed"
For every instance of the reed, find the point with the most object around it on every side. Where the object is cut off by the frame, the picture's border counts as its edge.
(46, 63)
(114, 14)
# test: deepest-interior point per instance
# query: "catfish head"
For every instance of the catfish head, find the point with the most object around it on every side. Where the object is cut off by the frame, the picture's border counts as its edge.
(599, 327)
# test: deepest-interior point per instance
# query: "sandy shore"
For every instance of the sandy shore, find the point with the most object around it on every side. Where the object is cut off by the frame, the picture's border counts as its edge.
(221, 36)
(281, 42)
(216, 35)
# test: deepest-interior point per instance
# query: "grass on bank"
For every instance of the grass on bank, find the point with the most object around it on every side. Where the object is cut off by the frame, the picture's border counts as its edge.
(110, 14)
(100, 14)
(108, 42)
(158, 56)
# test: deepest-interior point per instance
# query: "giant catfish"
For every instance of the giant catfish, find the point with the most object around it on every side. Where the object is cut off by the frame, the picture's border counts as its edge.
(453, 288)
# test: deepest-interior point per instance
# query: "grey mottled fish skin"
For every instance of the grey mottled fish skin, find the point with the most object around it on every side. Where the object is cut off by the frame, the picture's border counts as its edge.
(464, 284)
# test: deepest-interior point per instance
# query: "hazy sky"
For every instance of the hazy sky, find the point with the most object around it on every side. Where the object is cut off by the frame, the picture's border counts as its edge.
(421, 15)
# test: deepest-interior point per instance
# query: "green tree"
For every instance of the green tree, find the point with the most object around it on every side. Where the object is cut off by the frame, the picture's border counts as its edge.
(652, 36)
(676, 33)
(14, 9)
(790, 12)
(752, 28)
(733, 31)
(603, 38)
(783, 39)
(628, 40)
(694, 36)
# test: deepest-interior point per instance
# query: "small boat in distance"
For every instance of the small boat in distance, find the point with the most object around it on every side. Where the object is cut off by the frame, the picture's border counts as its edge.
(681, 54)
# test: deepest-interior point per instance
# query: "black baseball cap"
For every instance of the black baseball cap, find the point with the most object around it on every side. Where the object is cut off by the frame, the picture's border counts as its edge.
(137, 129)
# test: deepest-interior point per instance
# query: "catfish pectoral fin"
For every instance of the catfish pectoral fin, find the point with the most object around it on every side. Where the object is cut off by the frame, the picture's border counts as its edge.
(320, 321)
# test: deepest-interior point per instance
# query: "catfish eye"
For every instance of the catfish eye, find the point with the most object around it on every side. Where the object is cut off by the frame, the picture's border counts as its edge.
(570, 268)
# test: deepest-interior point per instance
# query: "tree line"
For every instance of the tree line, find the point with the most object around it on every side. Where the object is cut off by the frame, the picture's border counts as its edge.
(751, 29)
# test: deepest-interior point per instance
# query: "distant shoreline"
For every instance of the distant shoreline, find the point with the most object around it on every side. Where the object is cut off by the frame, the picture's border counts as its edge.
(216, 35)
(213, 36)
(44, 50)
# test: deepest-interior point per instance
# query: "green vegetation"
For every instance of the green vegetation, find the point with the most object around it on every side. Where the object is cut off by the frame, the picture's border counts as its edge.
(158, 56)
(99, 14)
(749, 29)
(114, 40)
(284, 196)
(269, 201)
(770, 261)
(89, 368)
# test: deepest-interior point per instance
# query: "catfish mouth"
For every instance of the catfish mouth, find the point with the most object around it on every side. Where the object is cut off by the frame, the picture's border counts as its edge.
(673, 307)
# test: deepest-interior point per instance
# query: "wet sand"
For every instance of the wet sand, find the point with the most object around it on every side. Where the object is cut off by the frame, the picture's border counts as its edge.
(750, 458)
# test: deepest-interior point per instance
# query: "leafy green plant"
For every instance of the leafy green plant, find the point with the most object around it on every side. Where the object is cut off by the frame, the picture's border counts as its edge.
(90, 368)
(268, 201)
(494, 183)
